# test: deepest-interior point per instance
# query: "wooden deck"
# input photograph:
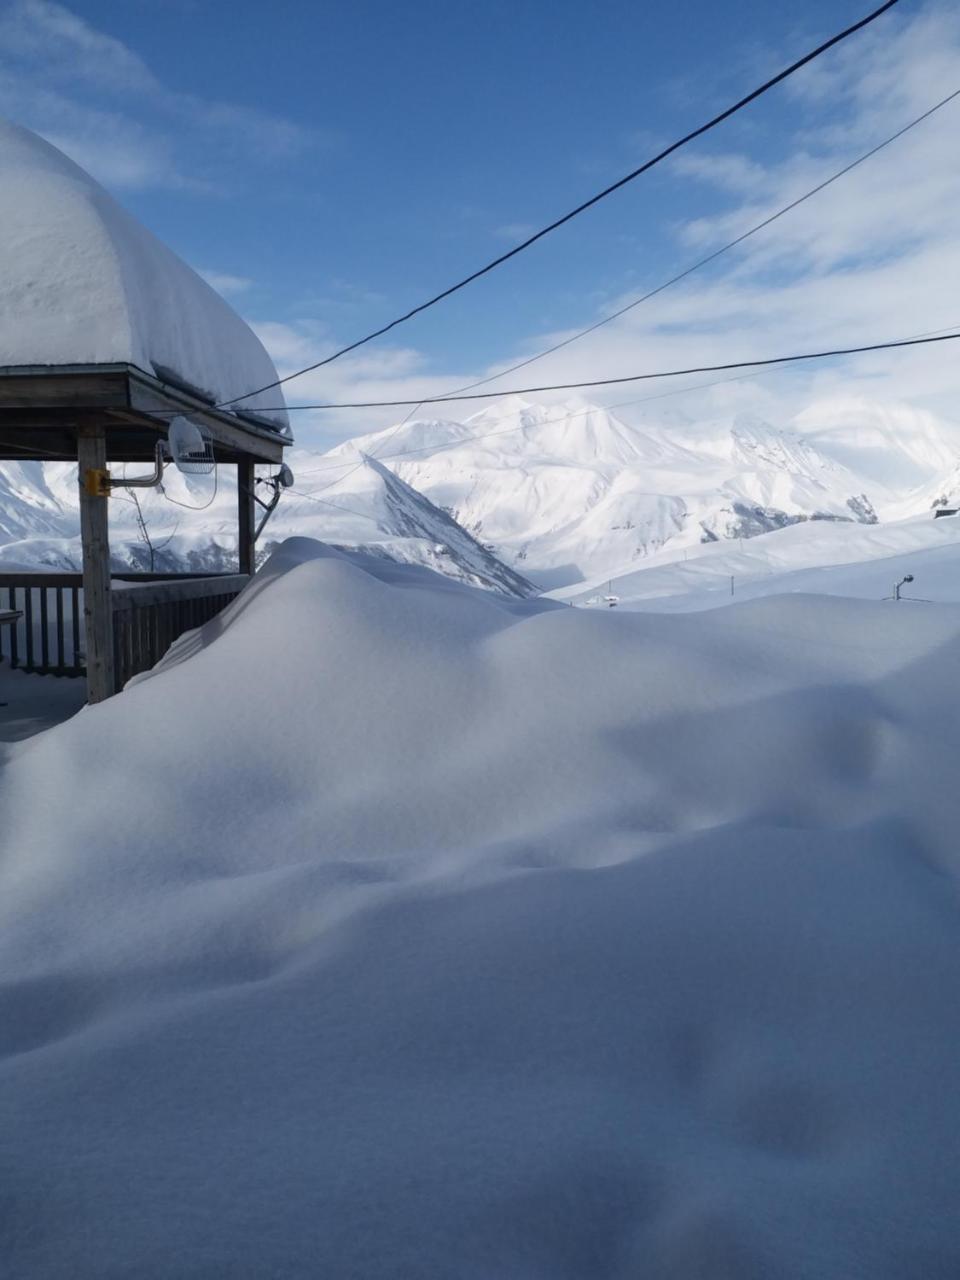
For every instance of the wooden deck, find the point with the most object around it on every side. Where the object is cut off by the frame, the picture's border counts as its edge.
(149, 612)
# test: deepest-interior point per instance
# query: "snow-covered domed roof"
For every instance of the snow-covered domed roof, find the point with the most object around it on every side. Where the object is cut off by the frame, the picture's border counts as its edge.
(82, 282)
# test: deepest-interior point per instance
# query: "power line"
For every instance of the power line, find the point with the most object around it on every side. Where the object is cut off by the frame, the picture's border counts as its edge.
(362, 461)
(586, 204)
(518, 419)
(364, 515)
(687, 271)
(696, 266)
(635, 377)
(637, 302)
(712, 257)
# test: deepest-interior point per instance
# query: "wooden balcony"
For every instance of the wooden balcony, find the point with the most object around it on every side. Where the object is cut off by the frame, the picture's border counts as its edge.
(149, 612)
(100, 414)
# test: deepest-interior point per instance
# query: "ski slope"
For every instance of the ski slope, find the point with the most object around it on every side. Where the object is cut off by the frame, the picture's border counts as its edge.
(856, 561)
(490, 938)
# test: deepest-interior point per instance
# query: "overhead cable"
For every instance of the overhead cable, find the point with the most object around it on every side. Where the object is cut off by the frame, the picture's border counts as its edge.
(582, 413)
(712, 257)
(696, 266)
(584, 205)
(635, 377)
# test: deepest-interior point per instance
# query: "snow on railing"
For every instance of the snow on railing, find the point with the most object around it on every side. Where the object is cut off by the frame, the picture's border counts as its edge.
(149, 615)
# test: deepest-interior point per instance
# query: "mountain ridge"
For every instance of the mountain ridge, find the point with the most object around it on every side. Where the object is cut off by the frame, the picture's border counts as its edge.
(570, 492)
(523, 496)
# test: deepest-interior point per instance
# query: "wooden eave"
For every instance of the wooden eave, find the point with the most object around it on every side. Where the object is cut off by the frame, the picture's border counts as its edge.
(42, 408)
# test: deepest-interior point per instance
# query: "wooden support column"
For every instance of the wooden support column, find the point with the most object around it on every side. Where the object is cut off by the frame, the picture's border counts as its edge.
(247, 514)
(94, 535)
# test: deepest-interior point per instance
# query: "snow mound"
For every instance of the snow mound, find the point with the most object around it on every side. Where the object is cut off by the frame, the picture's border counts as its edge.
(420, 932)
(82, 282)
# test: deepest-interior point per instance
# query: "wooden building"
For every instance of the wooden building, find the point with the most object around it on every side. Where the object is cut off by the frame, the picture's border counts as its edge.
(105, 338)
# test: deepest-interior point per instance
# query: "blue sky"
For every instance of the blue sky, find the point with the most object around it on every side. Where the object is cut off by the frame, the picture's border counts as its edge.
(329, 165)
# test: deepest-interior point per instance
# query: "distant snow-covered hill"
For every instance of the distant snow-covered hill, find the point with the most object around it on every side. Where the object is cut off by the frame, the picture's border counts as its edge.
(571, 492)
(894, 447)
(822, 558)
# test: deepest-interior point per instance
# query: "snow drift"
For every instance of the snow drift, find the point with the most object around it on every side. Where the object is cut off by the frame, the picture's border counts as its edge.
(481, 937)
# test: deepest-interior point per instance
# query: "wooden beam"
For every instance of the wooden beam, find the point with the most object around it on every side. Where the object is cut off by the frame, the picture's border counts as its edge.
(247, 516)
(149, 396)
(95, 539)
(72, 387)
(138, 405)
(47, 444)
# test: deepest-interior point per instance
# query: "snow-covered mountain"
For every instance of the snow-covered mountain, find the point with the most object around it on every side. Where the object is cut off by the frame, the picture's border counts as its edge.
(570, 492)
(377, 510)
(555, 495)
(895, 447)
(372, 508)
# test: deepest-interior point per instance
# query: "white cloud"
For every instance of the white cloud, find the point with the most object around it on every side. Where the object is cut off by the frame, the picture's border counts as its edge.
(225, 284)
(64, 47)
(731, 172)
(515, 231)
(96, 99)
(874, 257)
(115, 148)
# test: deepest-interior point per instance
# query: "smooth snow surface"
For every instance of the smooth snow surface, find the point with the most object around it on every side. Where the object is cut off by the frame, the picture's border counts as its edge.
(418, 932)
(82, 282)
(863, 562)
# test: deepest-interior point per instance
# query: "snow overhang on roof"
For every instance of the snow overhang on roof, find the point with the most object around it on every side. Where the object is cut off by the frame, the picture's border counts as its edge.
(83, 283)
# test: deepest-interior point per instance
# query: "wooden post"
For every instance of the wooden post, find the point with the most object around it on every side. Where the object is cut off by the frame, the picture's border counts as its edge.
(247, 513)
(94, 535)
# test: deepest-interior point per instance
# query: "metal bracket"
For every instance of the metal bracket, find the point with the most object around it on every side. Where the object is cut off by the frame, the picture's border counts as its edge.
(141, 482)
(96, 482)
(268, 507)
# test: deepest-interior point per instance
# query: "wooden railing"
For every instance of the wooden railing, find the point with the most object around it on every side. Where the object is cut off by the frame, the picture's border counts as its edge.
(149, 613)
(149, 616)
(48, 636)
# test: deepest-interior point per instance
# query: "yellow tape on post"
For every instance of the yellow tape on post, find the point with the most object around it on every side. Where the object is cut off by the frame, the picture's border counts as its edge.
(96, 482)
